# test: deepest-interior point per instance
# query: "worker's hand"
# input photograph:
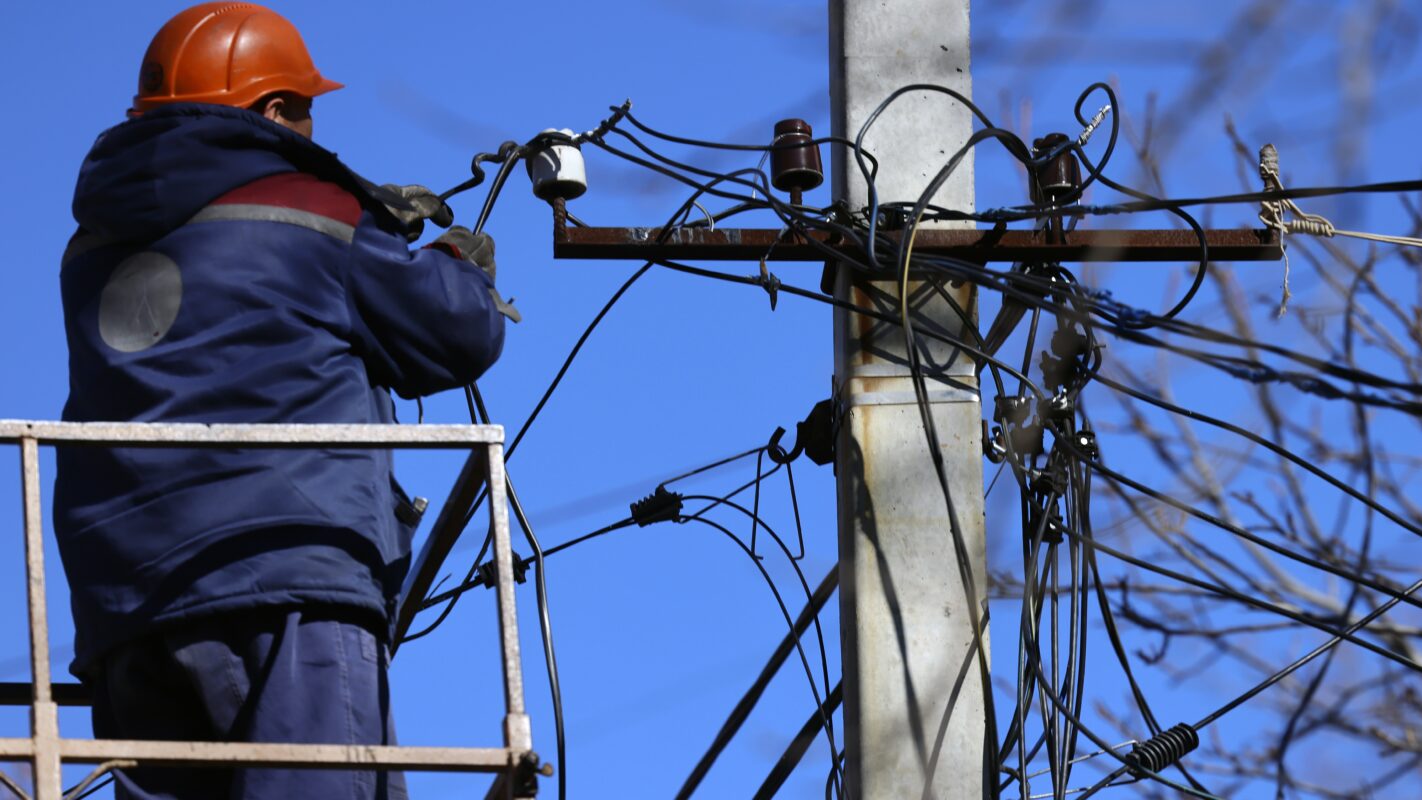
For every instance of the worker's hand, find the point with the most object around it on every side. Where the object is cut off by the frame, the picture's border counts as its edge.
(477, 249)
(423, 205)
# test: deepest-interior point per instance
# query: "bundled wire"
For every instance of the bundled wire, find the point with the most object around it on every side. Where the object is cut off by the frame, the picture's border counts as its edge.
(1042, 435)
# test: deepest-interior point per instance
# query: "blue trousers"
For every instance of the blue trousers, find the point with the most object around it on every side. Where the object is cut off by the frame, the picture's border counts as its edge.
(261, 676)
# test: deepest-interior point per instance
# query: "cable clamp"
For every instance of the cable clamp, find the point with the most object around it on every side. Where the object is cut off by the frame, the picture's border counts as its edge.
(659, 506)
(489, 571)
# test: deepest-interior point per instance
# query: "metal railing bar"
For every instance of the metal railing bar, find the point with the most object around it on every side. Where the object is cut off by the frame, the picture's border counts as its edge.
(166, 434)
(517, 733)
(315, 756)
(44, 714)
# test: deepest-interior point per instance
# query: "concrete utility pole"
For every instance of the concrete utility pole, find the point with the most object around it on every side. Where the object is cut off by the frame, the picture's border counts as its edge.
(913, 697)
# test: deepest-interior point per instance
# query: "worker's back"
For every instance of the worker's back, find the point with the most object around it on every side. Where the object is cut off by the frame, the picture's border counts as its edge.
(228, 270)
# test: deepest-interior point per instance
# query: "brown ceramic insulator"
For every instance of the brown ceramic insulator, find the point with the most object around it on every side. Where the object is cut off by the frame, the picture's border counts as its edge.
(795, 169)
(1058, 177)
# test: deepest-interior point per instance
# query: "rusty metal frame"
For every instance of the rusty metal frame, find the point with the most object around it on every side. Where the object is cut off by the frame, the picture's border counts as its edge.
(977, 246)
(46, 750)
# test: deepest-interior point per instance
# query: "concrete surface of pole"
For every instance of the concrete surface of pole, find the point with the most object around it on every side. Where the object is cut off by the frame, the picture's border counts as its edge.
(913, 696)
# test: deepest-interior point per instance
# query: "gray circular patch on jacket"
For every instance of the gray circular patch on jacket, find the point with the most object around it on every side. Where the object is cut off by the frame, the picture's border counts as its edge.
(140, 302)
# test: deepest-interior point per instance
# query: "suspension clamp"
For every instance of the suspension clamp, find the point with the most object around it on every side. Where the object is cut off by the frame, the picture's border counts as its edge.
(659, 506)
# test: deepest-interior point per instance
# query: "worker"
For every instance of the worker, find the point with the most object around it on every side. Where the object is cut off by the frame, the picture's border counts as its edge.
(228, 269)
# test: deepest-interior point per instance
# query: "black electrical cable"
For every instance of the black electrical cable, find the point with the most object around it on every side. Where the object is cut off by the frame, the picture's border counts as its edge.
(742, 710)
(453, 597)
(1282, 452)
(1337, 636)
(1200, 272)
(478, 579)
(1077, 695)
(714, 274)
(858, 309)
(795, 751)
(87, 791)
(1346, 634)
(545, 623)
(804, 584)
(713, 465)
(1061, 708)
(920, 389)
(1243, 368)
(752, 483)
(1020, 213)
(542, 403)
(935, 451)
(1081, 483)
(1134, 318)
(1073, 306)
(1248, 536)
(1263, 605)
(784, 610)
(827, 722)
(1123, 321)
(757, 148)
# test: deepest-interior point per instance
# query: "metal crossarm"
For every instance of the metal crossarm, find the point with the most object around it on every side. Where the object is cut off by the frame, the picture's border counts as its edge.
(752, 244)
(46, 750)
(977, 246)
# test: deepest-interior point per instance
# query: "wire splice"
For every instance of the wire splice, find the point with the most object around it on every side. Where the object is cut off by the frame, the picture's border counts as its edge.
(1093, 125)
(659, 506)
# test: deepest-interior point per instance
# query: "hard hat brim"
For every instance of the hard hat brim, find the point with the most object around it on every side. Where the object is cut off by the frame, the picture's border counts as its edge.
(323, 86)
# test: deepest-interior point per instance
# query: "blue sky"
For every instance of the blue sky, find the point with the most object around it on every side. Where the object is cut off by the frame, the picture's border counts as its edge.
(659, 630)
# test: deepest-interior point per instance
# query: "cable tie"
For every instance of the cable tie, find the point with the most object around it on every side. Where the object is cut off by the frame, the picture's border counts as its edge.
(1163, 751)
(659, 506)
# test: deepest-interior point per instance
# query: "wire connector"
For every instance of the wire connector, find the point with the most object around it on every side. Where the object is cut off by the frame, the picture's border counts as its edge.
(1164, 750)
(659, 506)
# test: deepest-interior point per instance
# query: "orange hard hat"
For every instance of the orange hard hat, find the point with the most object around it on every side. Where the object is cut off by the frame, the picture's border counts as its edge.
(230, 54)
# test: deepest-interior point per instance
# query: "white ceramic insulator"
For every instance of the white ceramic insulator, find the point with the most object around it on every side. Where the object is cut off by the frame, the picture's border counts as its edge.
(557, 170)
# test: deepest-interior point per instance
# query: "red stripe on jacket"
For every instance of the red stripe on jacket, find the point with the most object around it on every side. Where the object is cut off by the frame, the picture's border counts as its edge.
(300, 191)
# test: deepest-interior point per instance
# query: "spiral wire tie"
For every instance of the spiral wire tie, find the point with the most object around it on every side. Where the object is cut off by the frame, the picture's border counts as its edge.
(1164, 750)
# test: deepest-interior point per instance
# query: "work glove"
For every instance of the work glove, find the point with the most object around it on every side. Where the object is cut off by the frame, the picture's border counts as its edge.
(421, 204)
(477, 249)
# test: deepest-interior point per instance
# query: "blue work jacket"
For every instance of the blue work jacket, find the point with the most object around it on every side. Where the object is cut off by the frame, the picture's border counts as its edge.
(229, 270)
